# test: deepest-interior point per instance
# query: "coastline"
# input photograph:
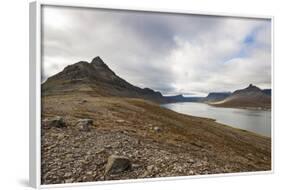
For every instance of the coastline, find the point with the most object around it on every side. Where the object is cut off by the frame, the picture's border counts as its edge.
(216, 116)
(239, 106)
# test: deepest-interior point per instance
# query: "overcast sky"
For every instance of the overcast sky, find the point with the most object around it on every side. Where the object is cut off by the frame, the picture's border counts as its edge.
(172, 53)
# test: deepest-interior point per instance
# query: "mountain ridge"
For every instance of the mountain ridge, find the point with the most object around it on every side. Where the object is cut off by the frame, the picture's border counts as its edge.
(216, 96)
(97, 79)
(249, 97)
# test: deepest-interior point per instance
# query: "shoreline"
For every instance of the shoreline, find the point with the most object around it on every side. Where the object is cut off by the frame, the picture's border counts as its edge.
(222, 106)
(216, 120)
(242, 107)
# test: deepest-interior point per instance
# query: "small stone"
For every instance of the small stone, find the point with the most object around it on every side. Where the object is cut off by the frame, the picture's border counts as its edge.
(136, 166)
(191, 172)
(199, 164)
(117, 164)
(84, 124)
(150, 168)
(120, 121)
(145, 174)
(157, 129)
(190, 161)
(83, 101)
(69, 180)
(101, 151)
(60, 136)
(67, 174)
(57, 122)
(108, 146)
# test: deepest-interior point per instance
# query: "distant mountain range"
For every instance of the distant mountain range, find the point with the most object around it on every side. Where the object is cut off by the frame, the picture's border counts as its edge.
(216, 96)
(251, 96)
(267, 91)
(97, 79)
(181, 98)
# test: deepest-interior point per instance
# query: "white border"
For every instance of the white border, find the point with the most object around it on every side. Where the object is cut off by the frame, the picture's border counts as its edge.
(35, 132)
(35, 95)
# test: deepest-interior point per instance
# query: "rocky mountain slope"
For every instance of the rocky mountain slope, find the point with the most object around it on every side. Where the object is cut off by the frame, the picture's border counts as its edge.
(250, 97)
(97, 79)
(216, 96)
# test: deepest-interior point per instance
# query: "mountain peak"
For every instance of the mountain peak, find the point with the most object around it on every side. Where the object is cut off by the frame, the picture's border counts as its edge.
(251, 96)
(253, 88)
(98, 79)
(97, 60)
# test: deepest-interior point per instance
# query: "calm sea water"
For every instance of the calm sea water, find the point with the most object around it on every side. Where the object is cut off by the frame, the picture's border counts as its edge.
(258, 121)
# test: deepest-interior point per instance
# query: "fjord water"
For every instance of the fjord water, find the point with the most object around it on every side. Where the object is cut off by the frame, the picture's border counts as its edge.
(258, 121)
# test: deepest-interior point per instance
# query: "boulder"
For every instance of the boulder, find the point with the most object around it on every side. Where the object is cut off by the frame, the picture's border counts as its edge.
(84, 124)
(117, 164)
(56, 121)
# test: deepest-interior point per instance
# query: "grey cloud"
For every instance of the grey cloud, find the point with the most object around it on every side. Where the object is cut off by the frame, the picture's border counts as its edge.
(173, 53)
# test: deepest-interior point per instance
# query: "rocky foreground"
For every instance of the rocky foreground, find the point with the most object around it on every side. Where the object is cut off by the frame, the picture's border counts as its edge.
(87, 138)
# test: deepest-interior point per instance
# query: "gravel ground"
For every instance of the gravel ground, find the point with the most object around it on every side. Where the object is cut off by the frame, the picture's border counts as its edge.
(158, 142)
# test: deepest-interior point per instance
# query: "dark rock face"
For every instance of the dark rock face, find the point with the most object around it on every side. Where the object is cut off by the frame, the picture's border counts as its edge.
(57, 122)
(117, 164)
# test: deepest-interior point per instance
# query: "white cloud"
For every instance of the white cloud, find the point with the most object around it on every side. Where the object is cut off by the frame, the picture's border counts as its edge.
(216, 62)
